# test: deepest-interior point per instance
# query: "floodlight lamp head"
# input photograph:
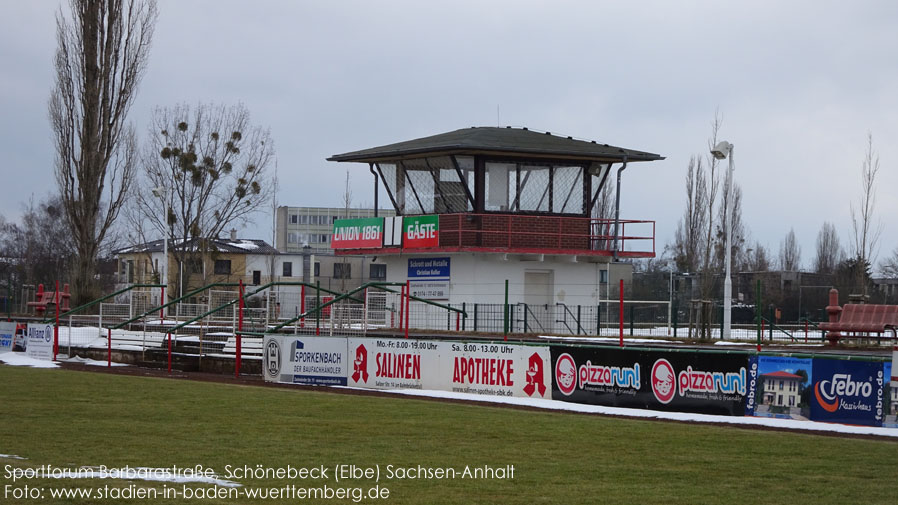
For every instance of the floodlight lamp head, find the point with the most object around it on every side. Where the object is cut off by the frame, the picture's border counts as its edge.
(722, 150)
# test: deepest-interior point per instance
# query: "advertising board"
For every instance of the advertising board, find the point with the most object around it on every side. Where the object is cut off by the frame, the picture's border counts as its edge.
(358, 233)
(848, 392)
(7, 333)
(320, 361)
(480, 368)
(429, 277)
(634, 378)
(40, 341)
(420, 231)
(782, 387)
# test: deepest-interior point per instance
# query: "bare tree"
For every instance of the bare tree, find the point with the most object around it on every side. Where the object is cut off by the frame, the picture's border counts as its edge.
(790, 253)
(888, 268)
(866, 228)
(829, 252)
(689, 238)
(694, 242)
(212, 165)
(758, 259)
(101, 56)
(738, 231)
(37, 249)
(713, 184)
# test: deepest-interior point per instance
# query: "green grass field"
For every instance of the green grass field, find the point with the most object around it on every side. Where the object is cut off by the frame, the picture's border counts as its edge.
(69, 419)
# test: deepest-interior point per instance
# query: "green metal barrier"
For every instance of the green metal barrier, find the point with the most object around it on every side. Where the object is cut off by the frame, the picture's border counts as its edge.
(377, 285)
(102, 299)
(257, 290)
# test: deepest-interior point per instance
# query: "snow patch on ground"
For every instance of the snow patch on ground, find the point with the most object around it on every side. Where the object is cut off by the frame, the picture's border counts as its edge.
(22, 359)
(92, 362)
(139, 473)
(790, 424)
(613, 340)
(11, 456)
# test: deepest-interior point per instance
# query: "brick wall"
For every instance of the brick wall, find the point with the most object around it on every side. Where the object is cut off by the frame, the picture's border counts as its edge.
(512, 231)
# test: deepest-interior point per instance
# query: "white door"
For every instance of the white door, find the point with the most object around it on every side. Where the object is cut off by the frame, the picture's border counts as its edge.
(539, 289)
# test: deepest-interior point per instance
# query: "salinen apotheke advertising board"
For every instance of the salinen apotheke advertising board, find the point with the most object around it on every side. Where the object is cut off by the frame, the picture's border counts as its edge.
(471, 367)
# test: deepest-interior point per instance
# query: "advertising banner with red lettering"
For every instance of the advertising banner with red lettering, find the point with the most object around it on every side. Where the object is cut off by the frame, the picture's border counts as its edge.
(496, 369)
(480, 368)
(381, 363)
(420, 231)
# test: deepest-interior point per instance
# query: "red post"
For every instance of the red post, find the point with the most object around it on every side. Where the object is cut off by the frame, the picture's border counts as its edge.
(408, 299)
(109, 349)
(302, 306)
(401, 306)
(621, 317)
(161, 310)
(169, 353)
(239, 331)
(457, 318)
(56, 328)
(834, 311)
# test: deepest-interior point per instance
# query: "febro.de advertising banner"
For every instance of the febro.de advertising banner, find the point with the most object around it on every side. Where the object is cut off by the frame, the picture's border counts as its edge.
(358, 233)
(849, 392)
(320, 361)
(40, 341)
(420, 231)
(481, 368)
(684, 382)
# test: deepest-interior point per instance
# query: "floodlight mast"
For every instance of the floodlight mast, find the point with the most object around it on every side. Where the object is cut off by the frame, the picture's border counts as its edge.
(723, 150)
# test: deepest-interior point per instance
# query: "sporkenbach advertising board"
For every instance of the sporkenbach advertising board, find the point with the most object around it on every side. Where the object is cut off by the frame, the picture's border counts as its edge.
(481, 368)
(40, 341)
(708, 383)
(848, 392)
(320, 361)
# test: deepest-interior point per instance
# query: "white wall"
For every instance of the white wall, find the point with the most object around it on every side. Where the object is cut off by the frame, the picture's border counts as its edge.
(481, 278)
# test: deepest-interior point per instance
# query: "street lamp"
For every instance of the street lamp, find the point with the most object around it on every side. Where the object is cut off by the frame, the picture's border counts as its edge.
(722, 150)
(161, 192)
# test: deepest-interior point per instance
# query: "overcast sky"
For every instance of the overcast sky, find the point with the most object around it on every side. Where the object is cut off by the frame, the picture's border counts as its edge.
(799, 86)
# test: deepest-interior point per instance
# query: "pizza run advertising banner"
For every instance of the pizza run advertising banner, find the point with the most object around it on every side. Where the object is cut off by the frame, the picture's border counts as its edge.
(705, 383)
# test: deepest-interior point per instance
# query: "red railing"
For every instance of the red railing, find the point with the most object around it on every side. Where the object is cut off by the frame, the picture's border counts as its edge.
(545, 234)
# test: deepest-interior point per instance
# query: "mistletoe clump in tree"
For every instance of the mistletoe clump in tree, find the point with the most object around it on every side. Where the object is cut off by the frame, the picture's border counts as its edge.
(211, 165)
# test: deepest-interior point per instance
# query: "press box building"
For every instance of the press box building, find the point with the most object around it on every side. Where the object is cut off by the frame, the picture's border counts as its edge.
(478, 206)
